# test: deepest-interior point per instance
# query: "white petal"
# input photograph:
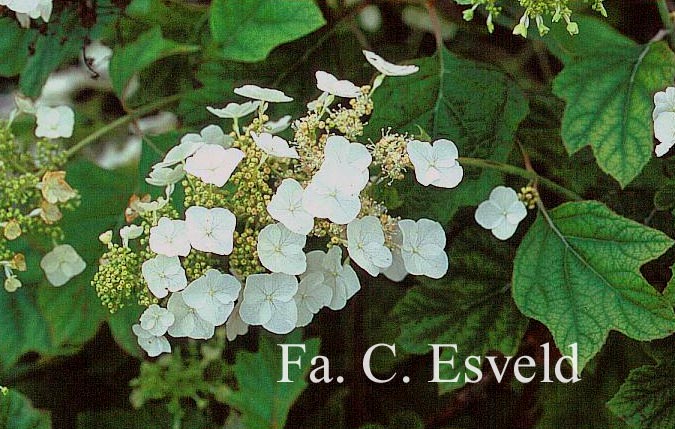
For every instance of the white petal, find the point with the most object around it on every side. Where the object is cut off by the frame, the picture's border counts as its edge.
(388, 68)
(489, 215)
(264, 94)
(341, 88)
(284, 318)
(504, 230)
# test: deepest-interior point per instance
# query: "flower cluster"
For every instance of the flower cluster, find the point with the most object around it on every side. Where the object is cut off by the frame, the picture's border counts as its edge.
(535, 11)
(33, 192)
(257, 205)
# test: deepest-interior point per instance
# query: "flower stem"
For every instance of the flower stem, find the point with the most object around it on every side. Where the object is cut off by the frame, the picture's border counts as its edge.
(517, 171)
(666, 18)
(141, 111)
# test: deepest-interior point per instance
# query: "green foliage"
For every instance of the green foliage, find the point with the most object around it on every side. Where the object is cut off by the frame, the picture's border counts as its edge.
(577, 271)
(470, 308)
(247, 30)
(134, 57)
(16, 412)
(262, 401)
(13, 47)
(474, 105)
(608, 83)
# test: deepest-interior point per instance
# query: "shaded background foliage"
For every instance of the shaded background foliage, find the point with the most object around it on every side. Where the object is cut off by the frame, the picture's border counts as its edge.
(60, 349)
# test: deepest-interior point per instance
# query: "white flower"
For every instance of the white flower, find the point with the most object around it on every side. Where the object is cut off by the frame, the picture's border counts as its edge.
(164, 274)
(213, 296)
(214, 164)
(396, 271)
(275, 127)
(165, 176)
(664, 130)
(154, 345)
(313, 294)
(341, 278)
(423, 248)
(263, 94)
(156, 320)
(343, 155)
(268, 301)
(501, 213)
(170, 238)
(435, 165)
(274, 145)
(387, 68)
(20, 6)
(54, 122)
(98, 54)
(62, 264)
(332, 194)
(129, 232)
(326, 82)
(280, 250)
(234, 325)
(210, 230)
(324, 100)
(664, 101)
(188, 323)
(286, 207)
(365, 243)
(42, 10)
(235, 110)
(189, 144)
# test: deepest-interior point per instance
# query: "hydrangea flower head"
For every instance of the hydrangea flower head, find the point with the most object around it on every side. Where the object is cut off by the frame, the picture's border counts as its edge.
(210, 230)
(154, 345)
(664, 101)
(280, 250)
(274, 145)
(366, 247)
(213, 295)
(338, 276)
(263, 94)
(235, 110)
(268, 301)
(326, 82)
(422, 248)
(286, 207)
(156, 320)
(54, 122)
(435, 165)
(664, 130)
(387, 68)
(501, 213)
(62, 264)
(170, 238)
(214, 164)
(188, 322)
(164, 274)
(313, 294)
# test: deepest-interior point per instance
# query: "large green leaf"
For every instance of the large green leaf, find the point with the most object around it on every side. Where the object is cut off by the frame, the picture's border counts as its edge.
(16, 412)
(475, 106)
(608, 83)
(263, 402)
(471, 307)
(247, 30)
(14, 43)
(134, 57)
(578, 272)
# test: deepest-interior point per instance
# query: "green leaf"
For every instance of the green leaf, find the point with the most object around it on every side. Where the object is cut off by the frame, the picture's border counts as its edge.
(475, 106)
(23, 328)
(646, 399)
(120, 325)
(248, 30)
(608, 86)
(14, 43)
(134, 57)
(74, 311)
(471, 307)
(578, 272)
(16, 412)
(263, 402)
(148, 417)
